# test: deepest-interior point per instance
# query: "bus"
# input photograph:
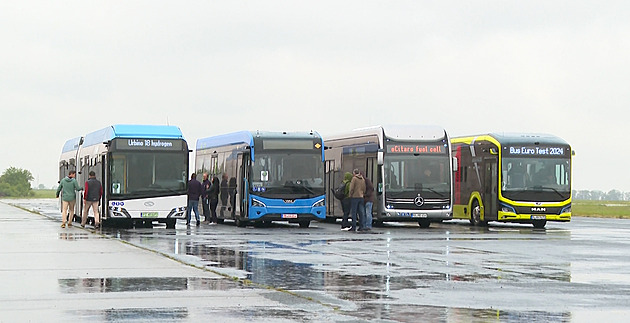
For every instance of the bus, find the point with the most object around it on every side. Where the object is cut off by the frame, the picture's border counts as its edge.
(409, 165)
(273, 176)
(143, 169)
(520, 178)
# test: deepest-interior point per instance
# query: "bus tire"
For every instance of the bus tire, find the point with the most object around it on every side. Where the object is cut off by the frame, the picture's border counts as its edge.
(304, 224)
(240, 223)
(330, 219)
(424, 223)
(170, 223)
(377, 223)
(539, 224)
(475, 215)
(220, 221)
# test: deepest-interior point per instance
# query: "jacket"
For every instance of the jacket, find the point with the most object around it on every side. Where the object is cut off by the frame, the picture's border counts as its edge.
(67, 187)
(93, 190)
(357, 186)
(368, 196)
(194, 190)
(347, 178)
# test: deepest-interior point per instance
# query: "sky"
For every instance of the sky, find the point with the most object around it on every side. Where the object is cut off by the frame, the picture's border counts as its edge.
(68, 68)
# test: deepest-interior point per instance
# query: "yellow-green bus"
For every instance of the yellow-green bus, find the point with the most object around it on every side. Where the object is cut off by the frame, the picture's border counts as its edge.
(518, 178)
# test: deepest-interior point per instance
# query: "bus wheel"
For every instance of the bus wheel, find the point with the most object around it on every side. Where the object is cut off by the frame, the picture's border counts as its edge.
(539, 224)
(330, 219)
(424, 223)
(220, 221)
(240, 223)
(475, 214)
(305, 224)
(170, 223)
(377, 223)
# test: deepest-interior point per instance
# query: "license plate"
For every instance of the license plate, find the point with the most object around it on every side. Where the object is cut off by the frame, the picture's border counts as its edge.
(148, 214)
(538, 217)
(420, 215)
(290, 216)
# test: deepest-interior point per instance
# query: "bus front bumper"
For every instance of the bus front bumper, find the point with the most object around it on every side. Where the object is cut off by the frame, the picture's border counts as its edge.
(527, 218)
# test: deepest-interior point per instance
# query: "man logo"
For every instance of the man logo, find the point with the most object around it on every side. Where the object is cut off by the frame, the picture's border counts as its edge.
(418, 201)
(289, 201)
(539, 209)
(149, 204)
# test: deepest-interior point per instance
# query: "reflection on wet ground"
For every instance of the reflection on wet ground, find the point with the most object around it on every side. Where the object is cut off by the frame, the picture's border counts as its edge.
(143, 284)
(134, 315)
(77, 236)
(450, 272)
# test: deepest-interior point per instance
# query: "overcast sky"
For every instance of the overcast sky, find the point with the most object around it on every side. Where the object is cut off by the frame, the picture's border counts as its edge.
(561, 67)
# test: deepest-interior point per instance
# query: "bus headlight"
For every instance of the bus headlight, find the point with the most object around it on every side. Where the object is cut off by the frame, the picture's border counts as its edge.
(320, 203)
(507, 208)
(567, 209)
(258, 203)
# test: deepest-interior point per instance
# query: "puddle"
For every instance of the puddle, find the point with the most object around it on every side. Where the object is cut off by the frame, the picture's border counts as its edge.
(77, 236)
(134, 315)
(143, 284)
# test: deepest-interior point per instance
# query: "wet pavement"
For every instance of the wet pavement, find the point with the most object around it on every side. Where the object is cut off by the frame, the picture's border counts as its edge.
(451, 272)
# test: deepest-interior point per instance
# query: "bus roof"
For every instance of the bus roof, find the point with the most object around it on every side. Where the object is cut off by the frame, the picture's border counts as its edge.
(517, 138)
(396, 132)
(247, 137)
(132, 131)
(71, 145)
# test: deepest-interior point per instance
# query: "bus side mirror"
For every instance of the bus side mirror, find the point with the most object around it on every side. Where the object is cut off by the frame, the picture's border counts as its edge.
(572, 152)
(380, 159)
(455, 164)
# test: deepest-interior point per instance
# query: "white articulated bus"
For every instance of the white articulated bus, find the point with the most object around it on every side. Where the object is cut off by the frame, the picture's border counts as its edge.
(143, 169)
(410, 167)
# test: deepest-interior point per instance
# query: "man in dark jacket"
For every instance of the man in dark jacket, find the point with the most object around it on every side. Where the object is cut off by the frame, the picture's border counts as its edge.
(225, 193)
(93, 190)
(195, 190)
(204, 199)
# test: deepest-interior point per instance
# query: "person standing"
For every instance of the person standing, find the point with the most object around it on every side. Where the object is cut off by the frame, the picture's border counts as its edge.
(204, 199)
(91, 197)
(68, 187)
(368, 199)
(195, 190)
(357, 206)
(225, 193)
(213, 196)
(345, 203)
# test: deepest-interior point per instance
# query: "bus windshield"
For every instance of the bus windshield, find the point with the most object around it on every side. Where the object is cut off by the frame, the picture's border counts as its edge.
(298, 174)
(144, 174)
(536, 179)
(408, 175)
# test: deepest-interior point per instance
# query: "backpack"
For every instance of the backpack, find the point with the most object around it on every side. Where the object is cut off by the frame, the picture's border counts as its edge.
(340, 191)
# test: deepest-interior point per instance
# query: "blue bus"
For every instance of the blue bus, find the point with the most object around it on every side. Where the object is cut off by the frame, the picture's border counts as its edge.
(266, 176)
(143, 169)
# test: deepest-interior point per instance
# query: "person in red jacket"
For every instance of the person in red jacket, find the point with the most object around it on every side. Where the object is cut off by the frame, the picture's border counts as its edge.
(91, 196)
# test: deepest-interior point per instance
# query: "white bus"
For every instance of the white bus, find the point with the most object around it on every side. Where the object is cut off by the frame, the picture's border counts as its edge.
(143, 169)
(410, 167)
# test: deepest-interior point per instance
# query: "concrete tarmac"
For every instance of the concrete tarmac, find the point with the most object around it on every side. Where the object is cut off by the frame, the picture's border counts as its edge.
(54, 274)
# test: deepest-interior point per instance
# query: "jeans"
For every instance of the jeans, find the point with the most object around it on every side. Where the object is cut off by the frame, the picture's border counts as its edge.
(345, 207)
(192, 206)
(213, 209)
(368, 215)
(357, 207)
(206, 209)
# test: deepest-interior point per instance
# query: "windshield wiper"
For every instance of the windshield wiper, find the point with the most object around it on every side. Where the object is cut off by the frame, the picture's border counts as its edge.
(550, 188)
(434, 191)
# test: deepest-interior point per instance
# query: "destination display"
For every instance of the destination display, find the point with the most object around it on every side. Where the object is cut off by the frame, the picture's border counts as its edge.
(416, 149)
(537, 151)
(290, 144)
(148, 144)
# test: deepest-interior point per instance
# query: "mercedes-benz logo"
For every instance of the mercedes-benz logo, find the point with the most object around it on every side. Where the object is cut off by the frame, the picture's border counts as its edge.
(418, 201)
(149, 203)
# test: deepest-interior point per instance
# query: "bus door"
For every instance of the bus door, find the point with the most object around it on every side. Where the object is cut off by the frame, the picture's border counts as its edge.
(490, 202)
(243, 167)
(371, 168)
(104, 182)
(330, 184)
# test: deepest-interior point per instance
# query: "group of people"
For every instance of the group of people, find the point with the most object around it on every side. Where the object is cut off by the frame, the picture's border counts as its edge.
(357, 202)
(209, 192)
(92, 192)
